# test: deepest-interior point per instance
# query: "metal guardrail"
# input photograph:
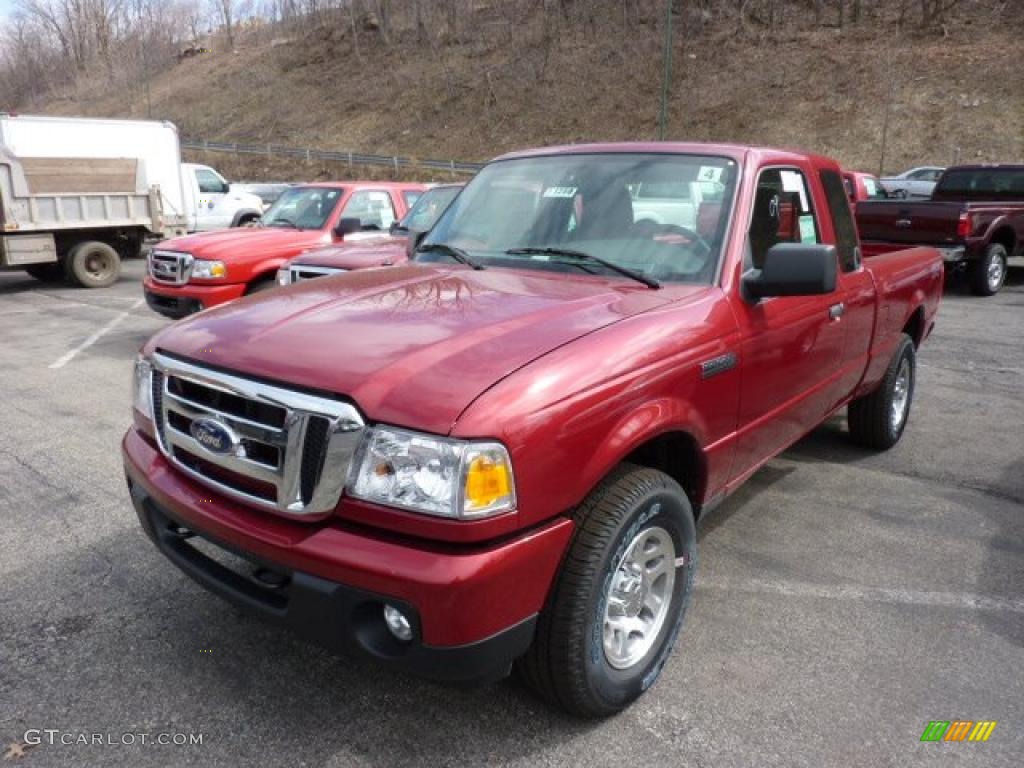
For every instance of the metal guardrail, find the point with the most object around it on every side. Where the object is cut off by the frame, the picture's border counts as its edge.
(352, 158)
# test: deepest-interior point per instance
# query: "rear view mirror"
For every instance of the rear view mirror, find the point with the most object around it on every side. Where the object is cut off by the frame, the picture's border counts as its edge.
(413, 242)
(347, 226)
(793, 269)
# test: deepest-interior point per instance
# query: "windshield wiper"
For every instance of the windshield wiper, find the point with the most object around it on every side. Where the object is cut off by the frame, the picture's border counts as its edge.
(450, 250)
(650, 282)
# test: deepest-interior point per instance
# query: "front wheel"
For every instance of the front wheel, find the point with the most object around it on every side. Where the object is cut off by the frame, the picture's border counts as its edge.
(877, 419)
(989, 272)
(619, 601)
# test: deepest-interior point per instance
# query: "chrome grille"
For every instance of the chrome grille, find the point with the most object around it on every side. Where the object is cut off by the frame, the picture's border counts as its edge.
(299, 272)
(170, 267)
(288, 451)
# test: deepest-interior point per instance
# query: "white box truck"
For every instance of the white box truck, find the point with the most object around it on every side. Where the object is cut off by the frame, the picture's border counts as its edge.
(79, 194)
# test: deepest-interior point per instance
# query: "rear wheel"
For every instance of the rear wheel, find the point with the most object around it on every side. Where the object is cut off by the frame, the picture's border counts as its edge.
(988, 273)
(619, 601)
(92, 264)
(877, 420)
(47, 273)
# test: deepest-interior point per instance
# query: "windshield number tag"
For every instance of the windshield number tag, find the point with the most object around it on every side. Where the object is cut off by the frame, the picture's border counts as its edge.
(560, 192)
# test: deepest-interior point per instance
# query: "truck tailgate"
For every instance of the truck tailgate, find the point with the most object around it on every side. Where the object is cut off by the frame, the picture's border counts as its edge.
(899, 221)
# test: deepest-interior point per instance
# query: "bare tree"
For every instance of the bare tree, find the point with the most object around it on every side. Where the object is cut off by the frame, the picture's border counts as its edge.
(225, 12)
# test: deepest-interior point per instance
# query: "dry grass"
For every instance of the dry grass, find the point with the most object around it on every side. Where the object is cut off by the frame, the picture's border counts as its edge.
(817, 89)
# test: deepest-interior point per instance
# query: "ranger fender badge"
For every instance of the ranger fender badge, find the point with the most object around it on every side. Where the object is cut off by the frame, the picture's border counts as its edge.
(717, 365)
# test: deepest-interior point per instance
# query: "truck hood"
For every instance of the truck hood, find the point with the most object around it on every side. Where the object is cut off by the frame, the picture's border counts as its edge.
(355, 255)
(248, 241)
(411, 346)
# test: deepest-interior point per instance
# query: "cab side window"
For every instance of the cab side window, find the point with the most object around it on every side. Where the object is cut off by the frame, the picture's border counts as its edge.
(372, 207)
(782, 213)
(209, 182)
(842, 221)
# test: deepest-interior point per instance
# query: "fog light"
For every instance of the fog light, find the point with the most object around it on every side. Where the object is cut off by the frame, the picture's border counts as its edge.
(398, 625)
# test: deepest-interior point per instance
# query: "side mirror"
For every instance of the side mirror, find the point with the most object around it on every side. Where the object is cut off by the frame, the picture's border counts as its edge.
(347, 226)
(793, 269)
(225, 188)
(413, 242)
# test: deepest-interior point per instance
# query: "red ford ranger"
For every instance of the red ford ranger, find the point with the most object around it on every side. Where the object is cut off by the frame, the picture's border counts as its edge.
(497, 453)
(975, 217)
(198, 271)
(394, 248)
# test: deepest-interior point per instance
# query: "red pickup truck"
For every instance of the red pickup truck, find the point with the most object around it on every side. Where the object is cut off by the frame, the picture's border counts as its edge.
(497, 453)
(975, 217)
(191, 273)
(394, 247)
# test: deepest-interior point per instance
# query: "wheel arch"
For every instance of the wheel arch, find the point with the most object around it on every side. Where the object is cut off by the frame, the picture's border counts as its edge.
(1006, 237)
(915, 326)
(244, 213)
(677, 453)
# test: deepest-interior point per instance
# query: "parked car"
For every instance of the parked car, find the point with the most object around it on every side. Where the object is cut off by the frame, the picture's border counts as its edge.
(267, 192)
(975, 218)
(77, 195)
(497, 453)
(917, 182)
(191, 273)
(862, 186)
(393, 248)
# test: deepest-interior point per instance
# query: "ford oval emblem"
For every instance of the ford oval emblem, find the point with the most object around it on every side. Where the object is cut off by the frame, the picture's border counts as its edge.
(214, 436)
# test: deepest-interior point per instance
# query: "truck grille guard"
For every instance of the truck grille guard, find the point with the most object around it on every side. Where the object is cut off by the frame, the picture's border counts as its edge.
(170, 267)
(281, 450)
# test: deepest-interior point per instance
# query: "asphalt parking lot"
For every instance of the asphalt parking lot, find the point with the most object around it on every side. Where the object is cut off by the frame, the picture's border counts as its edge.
(844, 599)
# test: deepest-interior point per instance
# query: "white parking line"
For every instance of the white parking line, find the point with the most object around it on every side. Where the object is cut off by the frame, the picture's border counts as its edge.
(67, 357)
(963, 600)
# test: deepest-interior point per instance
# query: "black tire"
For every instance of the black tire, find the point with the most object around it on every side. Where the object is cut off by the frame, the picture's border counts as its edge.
(872, 423)
(567, 663)
(47, 273)
(248, 221)
(988, 273)
(92, 264)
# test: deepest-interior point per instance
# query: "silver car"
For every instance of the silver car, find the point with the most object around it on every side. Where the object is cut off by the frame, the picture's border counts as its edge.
(917, 182)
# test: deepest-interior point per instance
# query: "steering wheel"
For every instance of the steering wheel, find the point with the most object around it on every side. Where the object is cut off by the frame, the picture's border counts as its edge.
(676, 229)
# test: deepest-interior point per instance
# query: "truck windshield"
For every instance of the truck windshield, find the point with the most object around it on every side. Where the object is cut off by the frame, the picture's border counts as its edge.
(428, 207)
(981, 184)
(661, 216)
(303, 208)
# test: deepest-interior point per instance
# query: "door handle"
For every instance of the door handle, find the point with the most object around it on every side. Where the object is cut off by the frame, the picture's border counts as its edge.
(836, 311)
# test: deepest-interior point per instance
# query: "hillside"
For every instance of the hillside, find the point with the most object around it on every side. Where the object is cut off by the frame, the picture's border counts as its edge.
(955, 92)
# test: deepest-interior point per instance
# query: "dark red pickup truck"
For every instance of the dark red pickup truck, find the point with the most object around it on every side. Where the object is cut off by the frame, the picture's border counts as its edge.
(975, 218)
(496, 454)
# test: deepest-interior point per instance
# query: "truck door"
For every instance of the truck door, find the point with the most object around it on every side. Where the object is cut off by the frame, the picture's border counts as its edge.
(212, 208)
(790, 348)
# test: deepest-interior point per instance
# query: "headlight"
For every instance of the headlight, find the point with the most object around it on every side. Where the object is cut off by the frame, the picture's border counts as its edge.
(208, 270)
(284, 276)
(433, 475)
(142, 398)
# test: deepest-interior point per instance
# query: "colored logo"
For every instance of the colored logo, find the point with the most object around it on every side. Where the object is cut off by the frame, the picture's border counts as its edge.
(214, 436)
(958, 730)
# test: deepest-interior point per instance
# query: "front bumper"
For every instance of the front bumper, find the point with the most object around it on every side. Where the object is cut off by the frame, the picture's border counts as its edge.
(473, 610)
(177, 301)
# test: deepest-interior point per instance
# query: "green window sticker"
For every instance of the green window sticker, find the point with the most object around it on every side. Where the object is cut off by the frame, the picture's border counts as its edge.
(808, 232)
